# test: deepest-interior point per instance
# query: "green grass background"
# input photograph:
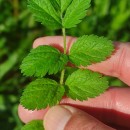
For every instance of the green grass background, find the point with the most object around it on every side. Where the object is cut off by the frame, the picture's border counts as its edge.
(18, 30)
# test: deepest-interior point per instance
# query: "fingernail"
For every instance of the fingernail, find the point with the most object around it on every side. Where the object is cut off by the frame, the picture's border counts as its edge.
(57, 118)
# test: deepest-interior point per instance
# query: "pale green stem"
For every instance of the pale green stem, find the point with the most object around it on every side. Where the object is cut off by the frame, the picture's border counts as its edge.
(63, 71)
(64, 39)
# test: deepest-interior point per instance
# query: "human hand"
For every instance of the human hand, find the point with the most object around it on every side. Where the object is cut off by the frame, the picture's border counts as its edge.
(111, 108)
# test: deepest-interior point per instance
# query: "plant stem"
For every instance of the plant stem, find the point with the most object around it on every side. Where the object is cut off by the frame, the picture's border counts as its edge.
(62, 77)
(65, 51)
(64, 39)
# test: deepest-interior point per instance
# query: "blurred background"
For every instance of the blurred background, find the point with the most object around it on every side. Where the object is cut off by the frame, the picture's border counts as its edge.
(18, 30)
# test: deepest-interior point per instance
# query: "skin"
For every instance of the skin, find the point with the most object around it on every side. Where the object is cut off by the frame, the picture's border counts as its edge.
(108, 111)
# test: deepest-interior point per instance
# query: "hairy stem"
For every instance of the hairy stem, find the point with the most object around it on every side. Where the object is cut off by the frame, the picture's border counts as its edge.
(63, 71)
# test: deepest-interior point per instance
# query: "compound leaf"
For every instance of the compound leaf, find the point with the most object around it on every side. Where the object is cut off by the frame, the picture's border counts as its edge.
(84, 84)
(90, 49)
(43, 60)
(42, 93)
(34, 125)
(45, 13)
(75, 12)
(59, 13)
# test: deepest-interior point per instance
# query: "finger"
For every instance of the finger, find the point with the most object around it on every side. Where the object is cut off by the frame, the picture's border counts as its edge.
(56, 41)
(69, 118)
(28, 115)
(118, 65)
(111, 107)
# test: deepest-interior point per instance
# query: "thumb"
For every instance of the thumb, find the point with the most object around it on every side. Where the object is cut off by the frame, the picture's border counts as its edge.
(69, 118)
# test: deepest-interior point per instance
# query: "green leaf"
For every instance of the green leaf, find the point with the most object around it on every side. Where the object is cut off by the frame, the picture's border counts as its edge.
(43, 60)
(42, 93)
(62, 5)
(34, 125)
(90, 49)
(65, 4)
(75, 12)
(56, 5)
(84, 84)
(45, 13)
(69, 71)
